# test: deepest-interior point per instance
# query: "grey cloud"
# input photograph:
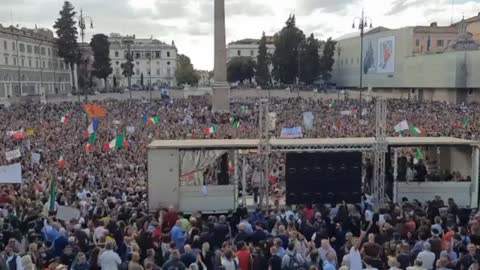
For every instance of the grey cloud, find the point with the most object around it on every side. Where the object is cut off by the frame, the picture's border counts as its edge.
(307, 7)
(402, 5)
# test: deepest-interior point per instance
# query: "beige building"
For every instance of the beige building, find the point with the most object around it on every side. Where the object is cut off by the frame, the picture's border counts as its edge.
(30, 65)
(433, 38)
(153, 60)
(393, 66)
(473, 27)
(248, 47)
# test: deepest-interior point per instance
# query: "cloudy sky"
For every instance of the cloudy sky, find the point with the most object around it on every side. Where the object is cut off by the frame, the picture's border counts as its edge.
(190, 22)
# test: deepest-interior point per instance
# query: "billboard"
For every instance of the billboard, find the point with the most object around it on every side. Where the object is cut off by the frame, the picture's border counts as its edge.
(386, 55)
(369, 56)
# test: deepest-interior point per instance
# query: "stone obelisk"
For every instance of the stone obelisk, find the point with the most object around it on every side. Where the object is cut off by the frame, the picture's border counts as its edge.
(221, 88)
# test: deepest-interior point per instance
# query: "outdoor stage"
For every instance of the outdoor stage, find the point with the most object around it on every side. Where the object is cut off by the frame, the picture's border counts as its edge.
(167, 159)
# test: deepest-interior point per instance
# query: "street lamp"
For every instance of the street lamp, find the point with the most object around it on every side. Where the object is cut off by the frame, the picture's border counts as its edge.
(81, 25)
(362, 23)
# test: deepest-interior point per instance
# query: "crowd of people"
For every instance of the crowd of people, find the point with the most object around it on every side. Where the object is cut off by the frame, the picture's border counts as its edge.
(115, 230)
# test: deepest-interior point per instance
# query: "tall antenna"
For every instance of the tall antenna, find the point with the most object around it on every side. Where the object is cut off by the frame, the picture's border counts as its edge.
(453, 11)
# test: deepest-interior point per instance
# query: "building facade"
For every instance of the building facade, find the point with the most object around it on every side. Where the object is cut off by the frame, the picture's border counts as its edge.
(248, 48)
(473, 26)
(30, 65)
(394, 65)
(153, 60)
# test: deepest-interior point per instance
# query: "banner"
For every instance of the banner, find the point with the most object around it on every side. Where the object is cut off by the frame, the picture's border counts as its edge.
(291, 133)
(272, 117)
(401, 126)
(36, 158)
(13, 154)
(131, 129)
(308, 120)
(11, 174)
(345, 112)
(67, 213)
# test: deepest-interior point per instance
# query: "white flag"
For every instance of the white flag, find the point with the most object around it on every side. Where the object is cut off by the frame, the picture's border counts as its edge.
(401, 126)
(13, 154)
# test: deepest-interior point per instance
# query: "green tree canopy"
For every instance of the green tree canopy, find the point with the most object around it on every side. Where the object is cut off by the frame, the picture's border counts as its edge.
(185, 72)
(262, 74)
(127, 67)
(66, 31)
(327, 61)
(310, 60)
(285, 58)
(101, 52)
(240, 69)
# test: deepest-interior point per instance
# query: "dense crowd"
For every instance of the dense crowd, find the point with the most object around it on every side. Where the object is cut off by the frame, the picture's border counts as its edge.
(115, 230)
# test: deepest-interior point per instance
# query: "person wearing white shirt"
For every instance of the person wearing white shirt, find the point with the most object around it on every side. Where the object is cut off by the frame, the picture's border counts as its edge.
(355, 260)
(109, 259)
(13, 260)
(426, 256)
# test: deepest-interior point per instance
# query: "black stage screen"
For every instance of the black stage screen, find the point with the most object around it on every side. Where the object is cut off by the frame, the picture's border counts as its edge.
(323, 178)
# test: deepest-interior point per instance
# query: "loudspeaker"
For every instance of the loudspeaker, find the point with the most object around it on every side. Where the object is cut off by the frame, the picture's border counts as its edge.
(323, 177)
(222, 175)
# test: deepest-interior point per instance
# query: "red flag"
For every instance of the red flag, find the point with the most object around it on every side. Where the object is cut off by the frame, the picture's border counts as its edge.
(61, 162)
(19, 135)
(88, 148)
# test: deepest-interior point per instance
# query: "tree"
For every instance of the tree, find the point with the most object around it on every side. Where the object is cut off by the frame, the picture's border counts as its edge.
(310, 60)
(327, 61)
(67, 37)
(262, 75)
(285, 58)
(240, 69)
(185, 72)
(101, 53)
(141, 79)
(127, 67)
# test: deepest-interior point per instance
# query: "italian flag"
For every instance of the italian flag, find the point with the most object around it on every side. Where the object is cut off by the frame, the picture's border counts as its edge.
(53, 193)
(415, 131)
(65, 118)
(119, 143)
(153, 120)
(235, 122)
(61, 162)
(211, 130)
(332, 104)
(418, 154)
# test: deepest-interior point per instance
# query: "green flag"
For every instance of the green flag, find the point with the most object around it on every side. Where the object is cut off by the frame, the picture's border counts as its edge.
(92, 138)
(465, 123)
(418, 154)
(401, 133)
(53, 193)
(120, 141)
(236, 124)
(332, 104)
(415, 131)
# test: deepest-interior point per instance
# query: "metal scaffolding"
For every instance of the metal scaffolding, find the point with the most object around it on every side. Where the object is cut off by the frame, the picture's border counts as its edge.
(264, 148)
(381, 148)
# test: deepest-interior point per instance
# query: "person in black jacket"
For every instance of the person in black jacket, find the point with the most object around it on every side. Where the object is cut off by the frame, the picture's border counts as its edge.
(219, 233)
(258, 234)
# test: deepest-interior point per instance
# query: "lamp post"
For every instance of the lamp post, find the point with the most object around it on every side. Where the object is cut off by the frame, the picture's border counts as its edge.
(363, 22)
(81, 25)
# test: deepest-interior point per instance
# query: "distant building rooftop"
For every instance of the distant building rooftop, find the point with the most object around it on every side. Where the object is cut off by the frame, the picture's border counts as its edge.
(247, 41)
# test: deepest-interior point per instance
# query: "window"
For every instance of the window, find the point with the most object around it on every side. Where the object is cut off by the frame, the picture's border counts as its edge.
(23, 62)
(49, 52)
(13, 46)
(239, 53)
(137, 55)
(148, 71)
(351, 61)
(440, 43)
(21, 47)
(43, 64)
(42, 50)
(5, 45)
(147, 55)
(158, 71)
(417, 42)
(168, 72)
(49, 64)
(116, 63)
(14, 61)
(137, 71)
(6, 60)
(157, 54)
(36, 49)
(36, 63)
(116, 53)
(30, 62)
(251, 53)
(168, 54)
(168, 63)
(29, 48)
